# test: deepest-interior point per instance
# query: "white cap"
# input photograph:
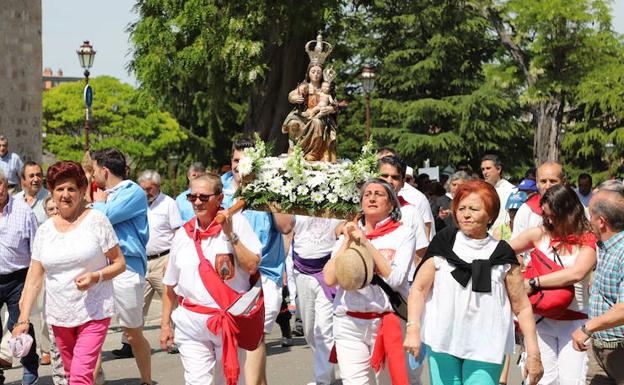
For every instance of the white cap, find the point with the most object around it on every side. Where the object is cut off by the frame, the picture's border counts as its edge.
(409, 171)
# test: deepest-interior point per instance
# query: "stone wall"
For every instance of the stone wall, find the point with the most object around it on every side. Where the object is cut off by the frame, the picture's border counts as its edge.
(20, 76)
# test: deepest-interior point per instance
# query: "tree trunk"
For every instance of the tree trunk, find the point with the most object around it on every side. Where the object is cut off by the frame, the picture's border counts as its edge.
(268, 106)
(548, 116)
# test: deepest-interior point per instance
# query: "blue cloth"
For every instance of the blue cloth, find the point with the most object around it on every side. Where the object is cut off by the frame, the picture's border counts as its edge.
(18, 226)
(446, 369)
(11, 164)
(273, 255)
(126, 209)
(608, 286)
(184, 206)
(10, 293)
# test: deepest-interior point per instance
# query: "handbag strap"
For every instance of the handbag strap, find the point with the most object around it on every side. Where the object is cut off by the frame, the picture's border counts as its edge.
(557, 257)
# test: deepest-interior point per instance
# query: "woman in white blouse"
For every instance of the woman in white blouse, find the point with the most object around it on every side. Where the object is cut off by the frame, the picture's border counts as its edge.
(78, 254)
(462, 300)
(362, 317)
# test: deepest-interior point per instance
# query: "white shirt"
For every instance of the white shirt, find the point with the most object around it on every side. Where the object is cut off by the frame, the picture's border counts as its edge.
(420, 201)
(412, 218)
(163, 219)
(66, 256)
(503, 189)
(182, 270)
(398, 247)
(314, 238)
(525, 219)
(464, 323)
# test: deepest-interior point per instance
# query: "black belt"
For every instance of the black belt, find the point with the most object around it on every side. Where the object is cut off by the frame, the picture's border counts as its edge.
(12, 185)
(150, 257)
(19, 275)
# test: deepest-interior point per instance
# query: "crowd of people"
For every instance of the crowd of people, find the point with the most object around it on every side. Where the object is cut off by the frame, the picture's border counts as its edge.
(461, 272)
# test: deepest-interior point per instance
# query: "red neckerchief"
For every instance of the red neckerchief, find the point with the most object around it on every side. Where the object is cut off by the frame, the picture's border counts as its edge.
(402, 201)
(534, 204)
(586, 239)
(195, 232)
(384, 229)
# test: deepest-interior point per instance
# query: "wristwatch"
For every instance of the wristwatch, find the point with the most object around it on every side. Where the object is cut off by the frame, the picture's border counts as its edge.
(584, 330)
(234, 238)
(533, 283)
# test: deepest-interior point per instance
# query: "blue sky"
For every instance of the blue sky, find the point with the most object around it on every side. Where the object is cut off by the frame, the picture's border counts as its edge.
(66, 23)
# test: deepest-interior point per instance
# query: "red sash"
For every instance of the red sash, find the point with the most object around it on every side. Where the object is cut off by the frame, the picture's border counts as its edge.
(244, 330)
(388, 344)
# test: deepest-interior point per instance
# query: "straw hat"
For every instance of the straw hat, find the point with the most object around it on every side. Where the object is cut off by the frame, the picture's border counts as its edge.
(354, 267)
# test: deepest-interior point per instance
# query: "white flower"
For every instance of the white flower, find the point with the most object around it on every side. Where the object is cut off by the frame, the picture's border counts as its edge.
(317, 197)
(245, 165)
(332, 198)
(302, 190)
(276, 185)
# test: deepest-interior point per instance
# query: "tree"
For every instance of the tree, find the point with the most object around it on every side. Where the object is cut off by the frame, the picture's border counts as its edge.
(436, 98)
(554, 44)
(221, 67)
(122, 117)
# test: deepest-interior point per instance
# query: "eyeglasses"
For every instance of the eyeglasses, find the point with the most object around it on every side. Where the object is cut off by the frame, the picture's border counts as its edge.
(202, 197)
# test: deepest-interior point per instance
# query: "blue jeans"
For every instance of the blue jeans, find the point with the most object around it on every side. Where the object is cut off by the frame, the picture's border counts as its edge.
(10, 293)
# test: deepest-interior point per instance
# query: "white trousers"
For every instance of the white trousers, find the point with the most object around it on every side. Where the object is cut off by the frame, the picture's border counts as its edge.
(272, 303)
(316, 316)
(562, 364)
(355, 339)
(201, 351)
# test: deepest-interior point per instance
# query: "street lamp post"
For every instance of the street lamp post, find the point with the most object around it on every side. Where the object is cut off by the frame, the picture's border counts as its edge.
(609, 147)
(368, 85)
(86, 56)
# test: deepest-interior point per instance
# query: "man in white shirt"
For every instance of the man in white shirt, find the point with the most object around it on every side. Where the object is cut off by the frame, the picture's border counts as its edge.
(492, 169)
(414, 197)
(584, 190)
(33, 192)
(528, 215)
(392, 170)
(163, 219)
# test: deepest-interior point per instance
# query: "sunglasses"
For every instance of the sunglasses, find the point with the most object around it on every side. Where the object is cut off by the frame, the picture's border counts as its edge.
(202, 197)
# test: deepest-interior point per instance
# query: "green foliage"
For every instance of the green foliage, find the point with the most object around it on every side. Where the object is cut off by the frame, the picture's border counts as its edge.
(122, 117)
(203, 59)
(436, 98)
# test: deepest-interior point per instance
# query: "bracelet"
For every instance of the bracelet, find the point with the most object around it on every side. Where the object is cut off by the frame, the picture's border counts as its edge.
(18, 323)
(410, 323)
(100, 276)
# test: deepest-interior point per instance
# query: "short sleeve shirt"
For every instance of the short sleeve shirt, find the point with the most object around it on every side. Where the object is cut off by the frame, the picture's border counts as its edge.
(66, 256)
(182, 270)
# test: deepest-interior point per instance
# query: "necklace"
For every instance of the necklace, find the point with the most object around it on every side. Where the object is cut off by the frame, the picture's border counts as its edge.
(70, 222)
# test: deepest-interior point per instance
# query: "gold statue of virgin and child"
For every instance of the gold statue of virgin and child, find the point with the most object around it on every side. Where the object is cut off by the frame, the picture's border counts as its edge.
(312, 123)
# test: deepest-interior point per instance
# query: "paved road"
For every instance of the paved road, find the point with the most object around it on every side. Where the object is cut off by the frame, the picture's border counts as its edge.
(285, 366)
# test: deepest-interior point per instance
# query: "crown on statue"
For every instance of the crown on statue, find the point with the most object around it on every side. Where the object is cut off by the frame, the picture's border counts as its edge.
(318, 50)
(329, 74)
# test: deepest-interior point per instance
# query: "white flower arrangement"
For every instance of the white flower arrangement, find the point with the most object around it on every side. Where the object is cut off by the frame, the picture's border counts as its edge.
(294, 185)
